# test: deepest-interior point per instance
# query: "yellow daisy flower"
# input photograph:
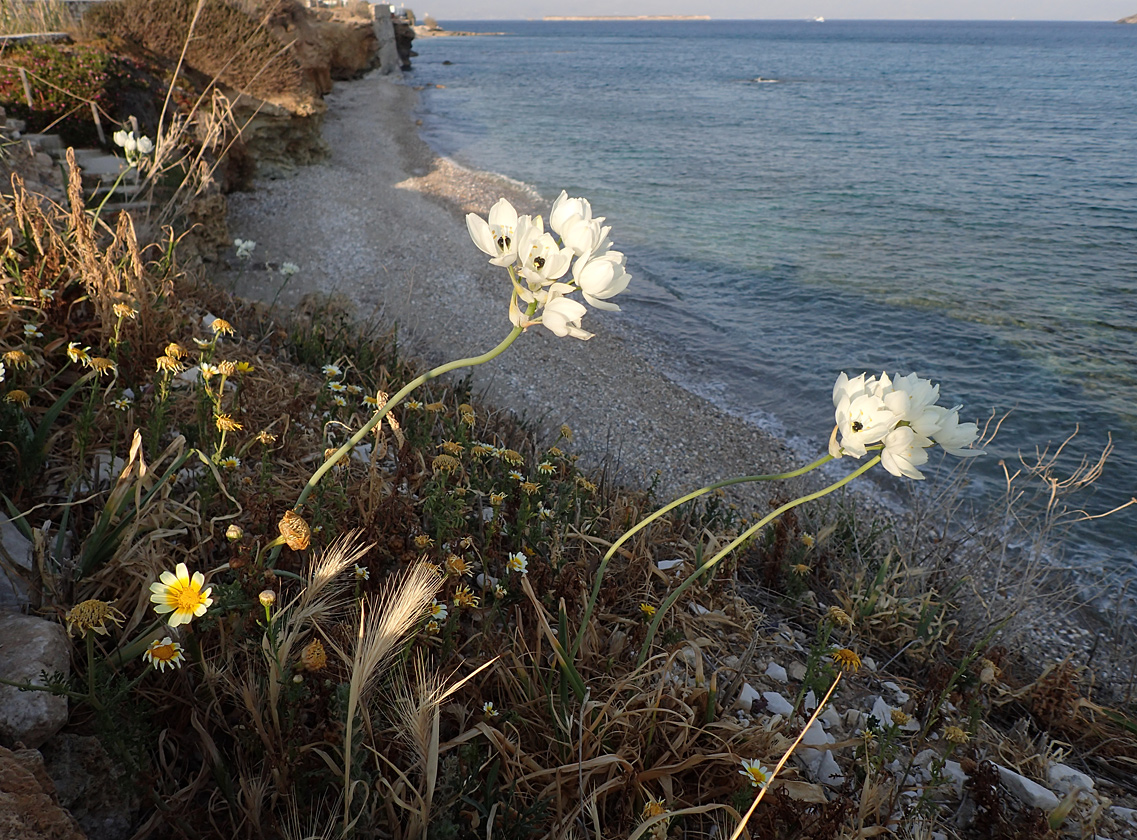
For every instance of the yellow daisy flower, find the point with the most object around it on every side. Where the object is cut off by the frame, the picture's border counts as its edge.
(164, 653)
(185, 598)
(17, 358)
(314, 657)
(17, 397)
(846, 660)
(753, 770)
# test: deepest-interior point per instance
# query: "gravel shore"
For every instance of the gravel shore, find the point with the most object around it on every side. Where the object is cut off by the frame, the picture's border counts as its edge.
(382, 222)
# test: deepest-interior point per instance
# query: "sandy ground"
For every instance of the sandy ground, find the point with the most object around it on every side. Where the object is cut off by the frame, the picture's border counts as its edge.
(382, 222)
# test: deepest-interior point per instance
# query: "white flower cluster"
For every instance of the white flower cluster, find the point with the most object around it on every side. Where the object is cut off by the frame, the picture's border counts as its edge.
(538, 262)
(902, 416)
(245, 248)
(135, 147)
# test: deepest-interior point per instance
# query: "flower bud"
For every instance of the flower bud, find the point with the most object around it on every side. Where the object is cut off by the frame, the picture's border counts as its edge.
(267, 598)
(234, 532)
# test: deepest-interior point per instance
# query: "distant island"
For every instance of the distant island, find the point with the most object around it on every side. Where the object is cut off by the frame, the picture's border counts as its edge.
(627, 17)
(1130, 19)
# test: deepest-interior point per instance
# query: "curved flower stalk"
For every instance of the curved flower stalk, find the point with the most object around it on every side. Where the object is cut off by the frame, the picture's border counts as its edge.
(545, 270)
(901, 416)
(735, 543)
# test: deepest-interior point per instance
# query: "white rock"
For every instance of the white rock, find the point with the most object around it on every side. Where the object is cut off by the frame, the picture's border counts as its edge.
(668, 565)
(29, 645)
(868, 663)
(825, 771)
(776, 672)
(776, 704)
(746, 698)
(698, 609)
(797, 671)
(881, 711)
(15, 562)
(809, 702)
(831, 717)
(1063, 779)
(1128, 815)
(816, 736)
(1026, 791)
(901, 696)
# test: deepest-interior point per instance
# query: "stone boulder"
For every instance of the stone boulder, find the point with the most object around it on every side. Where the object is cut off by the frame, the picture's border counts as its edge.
(28, 647)
(28, 809)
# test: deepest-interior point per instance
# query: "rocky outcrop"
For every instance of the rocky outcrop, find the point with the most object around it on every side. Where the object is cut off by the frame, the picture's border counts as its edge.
(1130, 19)
(30, 646)
(28, 808)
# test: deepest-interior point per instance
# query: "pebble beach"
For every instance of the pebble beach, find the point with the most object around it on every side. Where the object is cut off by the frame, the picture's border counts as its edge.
(382, 222)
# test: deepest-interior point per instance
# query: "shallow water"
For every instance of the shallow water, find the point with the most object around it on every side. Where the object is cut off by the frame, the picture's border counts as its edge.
(956, 199)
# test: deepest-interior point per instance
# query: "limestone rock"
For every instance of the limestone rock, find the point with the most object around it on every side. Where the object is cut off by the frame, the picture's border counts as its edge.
(776, 704)
(90, 785)
(1063, 779)
(28, 809)
(825, 770)
(1028, 792)
(28, 646)
(776, 672)
(15, 566)
(746, 697)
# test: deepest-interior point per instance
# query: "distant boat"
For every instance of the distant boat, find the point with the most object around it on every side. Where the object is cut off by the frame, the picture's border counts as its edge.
(818, 19)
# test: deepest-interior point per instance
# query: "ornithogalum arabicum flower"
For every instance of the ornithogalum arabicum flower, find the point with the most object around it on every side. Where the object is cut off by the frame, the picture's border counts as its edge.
(498, 236)
(540, 264)
(899, 416)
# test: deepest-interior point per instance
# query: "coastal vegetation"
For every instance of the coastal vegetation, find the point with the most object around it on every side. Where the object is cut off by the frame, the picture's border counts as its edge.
(312, 590)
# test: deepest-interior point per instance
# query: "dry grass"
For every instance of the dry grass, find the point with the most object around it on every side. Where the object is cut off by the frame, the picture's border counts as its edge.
(227, 44)
(19, 17)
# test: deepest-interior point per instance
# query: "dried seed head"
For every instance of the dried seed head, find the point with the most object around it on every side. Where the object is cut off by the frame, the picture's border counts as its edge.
(92, 614)
(295, 531)
(314, 657)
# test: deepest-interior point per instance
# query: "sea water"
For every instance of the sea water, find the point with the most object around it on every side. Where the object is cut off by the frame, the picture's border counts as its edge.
(796, 199)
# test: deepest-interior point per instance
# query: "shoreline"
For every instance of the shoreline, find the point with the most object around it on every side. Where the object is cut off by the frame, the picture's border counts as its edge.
(383, 224)
(402, 211)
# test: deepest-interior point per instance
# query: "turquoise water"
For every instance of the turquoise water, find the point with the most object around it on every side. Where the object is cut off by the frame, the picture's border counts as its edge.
(957, 199)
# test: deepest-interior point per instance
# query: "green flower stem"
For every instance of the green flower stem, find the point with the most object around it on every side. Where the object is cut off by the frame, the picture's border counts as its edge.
(378, 416)
(61, 692)
(749, 532)
(114, 187)
(662, 511)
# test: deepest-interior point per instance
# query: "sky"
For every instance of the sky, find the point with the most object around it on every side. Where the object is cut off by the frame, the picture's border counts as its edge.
(1101, 10)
